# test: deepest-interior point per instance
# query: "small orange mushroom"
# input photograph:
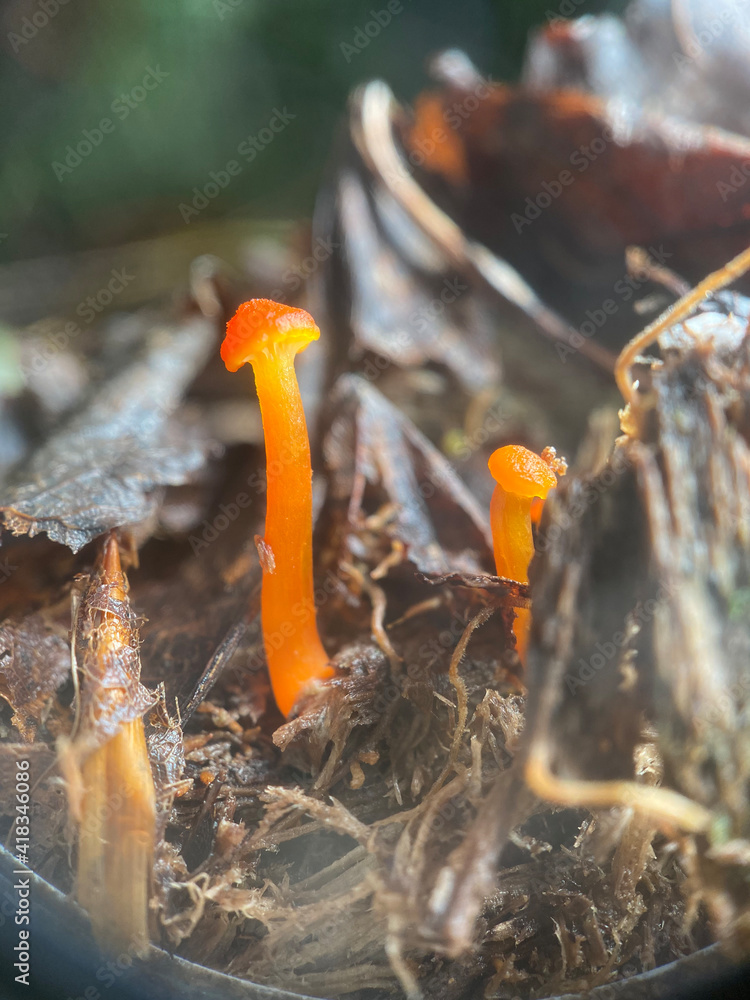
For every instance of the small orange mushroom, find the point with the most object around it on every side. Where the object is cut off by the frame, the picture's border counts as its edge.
(523, 482)
(268, 335)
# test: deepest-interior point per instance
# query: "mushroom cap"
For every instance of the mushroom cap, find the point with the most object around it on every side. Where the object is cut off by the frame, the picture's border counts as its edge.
(517, 470)
(262, 324)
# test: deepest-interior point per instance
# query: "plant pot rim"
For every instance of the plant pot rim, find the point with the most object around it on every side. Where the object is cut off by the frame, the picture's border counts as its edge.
(65, 960)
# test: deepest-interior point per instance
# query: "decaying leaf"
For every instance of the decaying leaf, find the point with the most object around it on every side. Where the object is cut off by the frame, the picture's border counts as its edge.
(34, 663)
(105, 467)
(583, 178)
(372, 447)
(451, 292)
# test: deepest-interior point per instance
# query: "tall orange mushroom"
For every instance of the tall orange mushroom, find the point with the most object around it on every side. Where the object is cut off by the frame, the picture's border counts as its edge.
(268, 335)
(523, 480)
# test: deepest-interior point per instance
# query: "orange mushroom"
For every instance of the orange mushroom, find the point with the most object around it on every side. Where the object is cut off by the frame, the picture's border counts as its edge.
(268, 335)
(523, 482)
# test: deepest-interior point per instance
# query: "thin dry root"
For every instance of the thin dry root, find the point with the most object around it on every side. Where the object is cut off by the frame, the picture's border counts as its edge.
(401, 967)
(664, 806)
(675, 314)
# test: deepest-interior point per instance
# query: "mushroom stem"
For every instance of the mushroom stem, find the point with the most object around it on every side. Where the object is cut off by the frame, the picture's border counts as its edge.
(268, 335)
(523, 482)
(294, 651)
(513, 545)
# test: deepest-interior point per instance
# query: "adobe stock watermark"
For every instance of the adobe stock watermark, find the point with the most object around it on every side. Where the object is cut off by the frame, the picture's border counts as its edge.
(438, 648)
(494, 421)
(294, 277)
(30, 26)
(122, 107)
(735, 695)
(248, 149)
(7, 569)
(699, 39)
(109, 972)
(566, 10)
(298, 614)
(604, 653)
(88, 309)
(735, 181)
(22, 884)
(209, 530)
(224, 7)
(624, 289)
(442, 478)
(364, 34)
(421, 320)
(580, 159)
(591, 492)
(454, 116)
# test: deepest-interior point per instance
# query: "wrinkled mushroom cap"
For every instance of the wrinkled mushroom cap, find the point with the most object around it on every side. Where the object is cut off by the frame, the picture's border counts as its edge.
(262, 325)
(517, 470)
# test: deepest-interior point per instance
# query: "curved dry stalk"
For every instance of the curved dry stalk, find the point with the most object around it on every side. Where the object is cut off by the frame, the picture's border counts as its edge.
(665, 806)
(461, 696)
(678, 311)
(378, 599)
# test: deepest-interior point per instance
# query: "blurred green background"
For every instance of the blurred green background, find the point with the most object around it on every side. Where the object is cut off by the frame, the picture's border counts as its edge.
(217, 73)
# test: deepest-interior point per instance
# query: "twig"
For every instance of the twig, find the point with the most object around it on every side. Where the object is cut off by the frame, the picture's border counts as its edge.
(674, 314)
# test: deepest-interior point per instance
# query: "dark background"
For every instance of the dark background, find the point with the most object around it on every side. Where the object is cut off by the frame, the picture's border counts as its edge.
(230, 63)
